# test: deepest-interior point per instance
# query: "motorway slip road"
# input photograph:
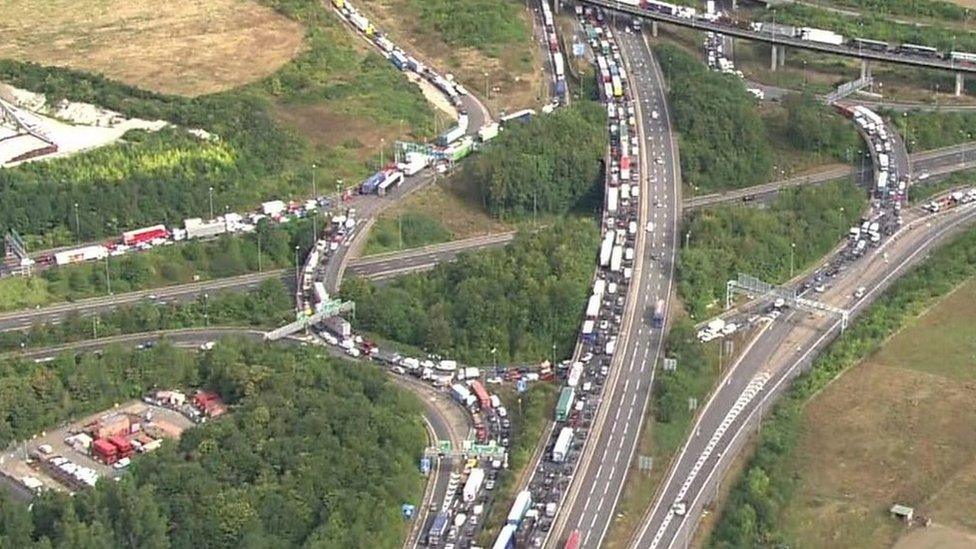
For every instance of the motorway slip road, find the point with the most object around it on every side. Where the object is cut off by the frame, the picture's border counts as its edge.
(775, 357)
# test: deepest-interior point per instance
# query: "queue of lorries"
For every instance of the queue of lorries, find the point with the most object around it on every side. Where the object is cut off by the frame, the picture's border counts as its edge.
(276, 211)
(532, 515)
(454, 521)
(555, 55)
(808, 34)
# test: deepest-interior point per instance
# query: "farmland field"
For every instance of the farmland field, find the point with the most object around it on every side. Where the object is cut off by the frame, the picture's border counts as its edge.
(895, 429)
(190, 47)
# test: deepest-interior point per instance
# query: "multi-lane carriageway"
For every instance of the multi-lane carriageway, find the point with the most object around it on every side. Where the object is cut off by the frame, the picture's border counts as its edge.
(727, 29)
(780, 352)
(610, 448)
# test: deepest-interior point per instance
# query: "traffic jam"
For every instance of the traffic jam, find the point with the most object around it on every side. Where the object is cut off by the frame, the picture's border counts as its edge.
(531, 516)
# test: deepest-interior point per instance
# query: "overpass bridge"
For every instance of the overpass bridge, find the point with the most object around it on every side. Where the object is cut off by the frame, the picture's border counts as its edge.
(780, 41)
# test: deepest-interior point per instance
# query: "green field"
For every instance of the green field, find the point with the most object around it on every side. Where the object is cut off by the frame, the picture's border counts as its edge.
(405, 230)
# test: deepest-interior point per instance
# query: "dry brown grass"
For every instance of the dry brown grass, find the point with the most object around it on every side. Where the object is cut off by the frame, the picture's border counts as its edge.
(897, 428)
(188, 47)
(459, 213)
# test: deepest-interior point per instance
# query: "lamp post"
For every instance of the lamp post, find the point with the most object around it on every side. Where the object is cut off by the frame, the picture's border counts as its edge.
(211, 202)
(77, 223)
(792, 248)
(108, 277)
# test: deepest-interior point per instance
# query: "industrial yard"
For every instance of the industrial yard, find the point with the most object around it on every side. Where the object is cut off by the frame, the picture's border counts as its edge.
(30, 128)
(76, 455)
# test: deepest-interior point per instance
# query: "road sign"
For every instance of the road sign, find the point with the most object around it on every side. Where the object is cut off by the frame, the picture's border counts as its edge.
(444, 446)
(407, 509)
(425, 466)
(579, 49)
(521, 385)
(644, 463)
(670, 364)
(692, 404)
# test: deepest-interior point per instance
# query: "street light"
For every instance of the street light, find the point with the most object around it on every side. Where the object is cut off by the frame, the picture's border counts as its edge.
(77, 224)
(792, 248)
(298, 289)
(206, 309)
(108, 277)
(211, 202)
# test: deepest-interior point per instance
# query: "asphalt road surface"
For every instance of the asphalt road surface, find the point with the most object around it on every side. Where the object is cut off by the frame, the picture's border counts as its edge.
(781, 351)
(393, 264)
(935, 162)
(610, 448)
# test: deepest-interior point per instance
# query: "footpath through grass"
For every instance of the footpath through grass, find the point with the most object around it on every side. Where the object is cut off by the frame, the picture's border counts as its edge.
(758, 510)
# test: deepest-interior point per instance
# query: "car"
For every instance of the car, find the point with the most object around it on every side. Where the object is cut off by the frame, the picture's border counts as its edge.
(650, 226)
(604, 371)
(152, 297)
(820, 289)
(587, 357)
(122, 463)
(489, 484)
(679, 508)
(658, 160)
(655, 115)
(859, 293)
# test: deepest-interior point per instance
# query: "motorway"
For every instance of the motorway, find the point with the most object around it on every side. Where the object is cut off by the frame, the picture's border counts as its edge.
(781, 40)
(374, 267)
(599, 479)
(779, 352)
(387, 265)
(936, 162)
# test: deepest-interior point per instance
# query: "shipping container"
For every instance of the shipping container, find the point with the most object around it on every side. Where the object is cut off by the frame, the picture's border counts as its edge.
(523, 502)
(198, 228)
(393, 179)
(148, 234)
(479, 391)
(575, 373)
(565, 403)
(606, 247)
(616, 258)
(488, 132)
(563, 441)
(471, 487)
(79, 255)
(506, 538)
(460, 393)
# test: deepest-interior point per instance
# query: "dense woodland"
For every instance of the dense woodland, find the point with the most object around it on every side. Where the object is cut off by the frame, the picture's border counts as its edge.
(547, 166)
(815, 129)
(315, 453)
(721, 137)
(521, 299)
(751, 518)
(931, 130)
(727, 240)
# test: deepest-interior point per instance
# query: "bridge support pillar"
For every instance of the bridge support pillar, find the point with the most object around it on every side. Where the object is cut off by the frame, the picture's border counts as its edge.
(865, 69)
(960, 83)
(654, 29)
(782, 56)
(772, 62)
(558, 6)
